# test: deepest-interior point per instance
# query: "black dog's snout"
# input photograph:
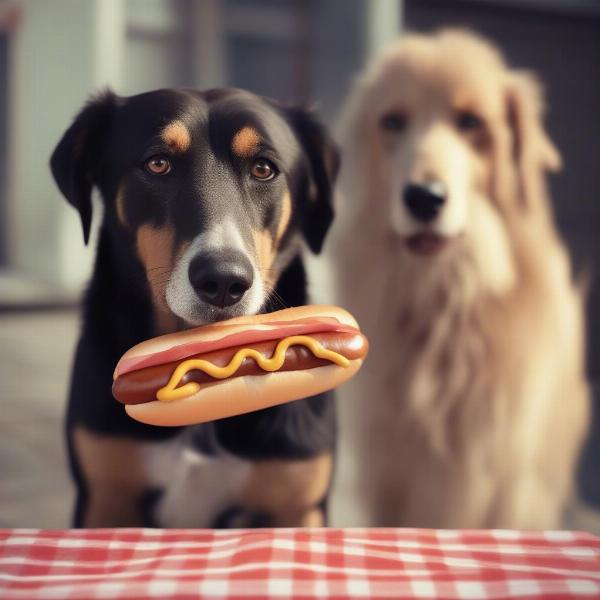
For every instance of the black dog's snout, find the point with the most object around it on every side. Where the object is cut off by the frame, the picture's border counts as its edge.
(221, 278)
(425, 201)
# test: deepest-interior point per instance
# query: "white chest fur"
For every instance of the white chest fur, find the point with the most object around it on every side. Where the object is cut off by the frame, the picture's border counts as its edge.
(197, 487)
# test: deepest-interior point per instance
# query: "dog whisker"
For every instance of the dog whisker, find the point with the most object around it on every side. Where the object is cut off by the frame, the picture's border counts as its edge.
(274, 299)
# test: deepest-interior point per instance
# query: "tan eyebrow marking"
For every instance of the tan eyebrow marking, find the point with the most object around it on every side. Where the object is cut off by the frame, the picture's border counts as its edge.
(177, 136)
(245, 142)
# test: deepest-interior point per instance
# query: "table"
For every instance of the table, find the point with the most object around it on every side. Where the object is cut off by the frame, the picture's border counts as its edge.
(286, 563)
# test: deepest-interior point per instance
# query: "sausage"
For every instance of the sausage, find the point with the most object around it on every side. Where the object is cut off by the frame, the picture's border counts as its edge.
(138, 387)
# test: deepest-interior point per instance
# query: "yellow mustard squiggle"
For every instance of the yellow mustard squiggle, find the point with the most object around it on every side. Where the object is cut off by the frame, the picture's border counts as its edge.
(171, 392)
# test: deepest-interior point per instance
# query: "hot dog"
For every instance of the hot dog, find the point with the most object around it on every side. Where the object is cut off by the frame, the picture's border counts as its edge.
(239, 365)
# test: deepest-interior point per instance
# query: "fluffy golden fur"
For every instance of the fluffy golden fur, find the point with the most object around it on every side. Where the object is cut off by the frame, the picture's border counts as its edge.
(472, 407)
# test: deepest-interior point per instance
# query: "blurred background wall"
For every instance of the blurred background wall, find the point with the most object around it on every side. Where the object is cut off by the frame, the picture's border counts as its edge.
(55, 53)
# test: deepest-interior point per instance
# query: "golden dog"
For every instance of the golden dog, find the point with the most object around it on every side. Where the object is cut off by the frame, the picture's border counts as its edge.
(473, 404)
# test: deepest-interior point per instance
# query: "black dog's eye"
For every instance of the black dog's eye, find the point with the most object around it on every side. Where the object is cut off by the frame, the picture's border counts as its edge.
(158, 165)
(467, 121)
(394, 121)
(263, 170)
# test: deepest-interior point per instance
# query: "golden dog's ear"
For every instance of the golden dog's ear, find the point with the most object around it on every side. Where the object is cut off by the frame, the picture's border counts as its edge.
(533, 152)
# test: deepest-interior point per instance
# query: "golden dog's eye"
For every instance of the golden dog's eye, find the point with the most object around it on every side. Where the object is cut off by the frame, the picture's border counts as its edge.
(394, 121)
(263, 169)
(158, 165)
(468, 121)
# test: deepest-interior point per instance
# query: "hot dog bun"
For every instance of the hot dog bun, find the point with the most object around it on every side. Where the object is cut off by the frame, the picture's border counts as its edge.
(233, 394)
(242, 394)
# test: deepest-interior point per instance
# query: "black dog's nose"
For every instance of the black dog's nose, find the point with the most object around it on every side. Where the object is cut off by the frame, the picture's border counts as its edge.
(221, 278)
(425, 201)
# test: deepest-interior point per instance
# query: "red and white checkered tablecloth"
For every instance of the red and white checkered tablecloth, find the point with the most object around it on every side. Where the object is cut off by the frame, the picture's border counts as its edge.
(294, 563)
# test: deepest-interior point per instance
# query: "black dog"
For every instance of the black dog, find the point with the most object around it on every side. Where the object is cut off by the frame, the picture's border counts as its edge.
(207, 196)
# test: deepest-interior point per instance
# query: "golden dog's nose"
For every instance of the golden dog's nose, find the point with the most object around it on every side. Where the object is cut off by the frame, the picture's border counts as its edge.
(424, 201)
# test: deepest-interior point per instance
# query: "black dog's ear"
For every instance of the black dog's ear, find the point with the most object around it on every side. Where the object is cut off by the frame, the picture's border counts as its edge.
(324, 162)
(76, 158)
